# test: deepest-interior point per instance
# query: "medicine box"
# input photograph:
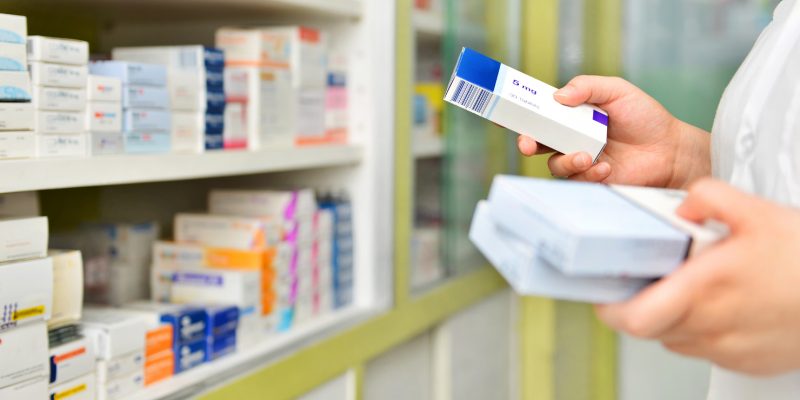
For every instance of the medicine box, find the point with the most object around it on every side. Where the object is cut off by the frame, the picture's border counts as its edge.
(188, 131)
(67, 287)
(74, 145)
(141, 96)
(59, 99)
(241, 233)
(27, 347)
(217, 286)
(15, 86)
(170, 255)
(20, 204)
(192, 57)
(106, 143)
(190, 355)
(221, 345)
(59, 122)
(13, 29)
(55, 50)
(70, 361)
(104, 89)
(104, 117)
(146, 120)
(35, 388)
(121, 388)
(58, 75)
(18, 144)
(159, 339)
(283, 204)
(524, 105)
(16, 116)
(222, 318)
(120, 367)
(80, 388)
(23, 238)
(159, 367)
(189, 323)
(131, 73)
(13, 57)
(147, 142)
(113, 332)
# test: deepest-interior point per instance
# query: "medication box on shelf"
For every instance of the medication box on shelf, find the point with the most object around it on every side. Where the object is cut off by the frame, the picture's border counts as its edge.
(105, 143)
(13, 28)
(62, 145)
(221, 345)
(104, 117)
(23, 238)
(147, 142)
(59, 99)
(18, 144)
(121, 388)
(192, 57)
(189, 323)
(217, 286)
(67, 287)
(159, 367)
(113, 332)
(80, 388)
(58, 75)
(131, 73)
(35, 388)
(159, 339)
(104, 88)
(120, 367)
(13, 57)
(188, 131)
(174, 256)
(16, 116)
(283, 204)
(523, 104)
(62, 51)
(222, 231)
(59, 122)
(141, 96)
(15, 86)
(70, 361)
(190, 355)
(146, 120)
(27, 347)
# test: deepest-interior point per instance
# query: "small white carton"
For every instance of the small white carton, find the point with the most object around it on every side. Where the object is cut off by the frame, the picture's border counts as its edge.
(104, 88)
(55, 50)
(59, 122)
(131, 73)
(106, 143)
(51, 146)
(217, 286)
(80, 388)
(120, 367)
(221, 231)
(59, 99)
(24, 352)
(104, 117)
(121, 388)
(142, 96)
(58, 75)
(113, 332)
(31, 389)
(17, 144)
(13, 57)
(23, 238)
(282, 204)
(16, 116)
(71, 361)
(67, 287)
(13, 28)
(15, 86)
(188, 131)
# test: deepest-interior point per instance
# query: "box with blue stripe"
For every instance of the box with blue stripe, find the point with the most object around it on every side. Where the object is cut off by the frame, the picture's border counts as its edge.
(525, 105)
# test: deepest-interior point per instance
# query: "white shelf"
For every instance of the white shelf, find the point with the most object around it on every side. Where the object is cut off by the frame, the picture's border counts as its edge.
(159, 8)
(427, 146)
(428, 25)
(40, 174)
(209, 375)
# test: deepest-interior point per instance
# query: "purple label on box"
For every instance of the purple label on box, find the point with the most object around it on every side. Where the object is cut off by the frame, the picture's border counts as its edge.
(600, 117)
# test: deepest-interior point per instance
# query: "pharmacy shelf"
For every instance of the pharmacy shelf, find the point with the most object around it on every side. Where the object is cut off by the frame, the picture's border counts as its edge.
(427, 146)
(207, 376)
(41, 174)
(428, 25)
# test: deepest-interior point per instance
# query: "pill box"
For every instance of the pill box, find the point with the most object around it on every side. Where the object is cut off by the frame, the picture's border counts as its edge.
(55, 145)
(70, 361)
(147, 142)
(104, 88)
(131, 73)
(13, 29)
(13, 57)
(27, 347)
(59, 99)
(16, 116)
(106, 143)
(140, 96)
(105, 117)
(67, 287)
(80, 388)
(58, 75)
(56, 50)
(145, 120)
(15, 86)
(17, 144)
(59, 122)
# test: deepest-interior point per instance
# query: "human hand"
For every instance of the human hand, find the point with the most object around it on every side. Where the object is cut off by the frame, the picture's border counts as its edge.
(737, 303)
(646, 145)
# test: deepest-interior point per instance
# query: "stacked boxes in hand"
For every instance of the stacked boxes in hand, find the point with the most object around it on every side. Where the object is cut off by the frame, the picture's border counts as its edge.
(16, 110)
(275, 80)
(146, 116)
(26, 298)
(342, 247)
(60, 107)
(197, 94)
(104, 115)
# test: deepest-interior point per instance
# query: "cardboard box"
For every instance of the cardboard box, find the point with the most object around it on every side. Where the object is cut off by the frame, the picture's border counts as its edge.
(80, 388)
(192, 57)
(113, 332)
(104, 117)
(159, 368)
(55, 50)
(121, 366)
(27, 347)
(31, 389)
(159, 340)
(13, 57)
(16, 116)
(62, 145)
(58, 75)
(146, 120)
(15, 86)
(216, 286)
(525, 105)
(121, 388)
(20, 204)
(240, 233)
(189, 323)
(67, 287)
(147, 142)
(141, 96)
(282, 204)
(105, 143)
(190, 355)
(59, 122)
(59, 99)
(104, 89)
(243, 87)
(188, 134)
(131, 73)
(221, 345)
(71, 361)
(174, 256)
(19, 144)
(13, 28)
(27, 292)
(23, 238)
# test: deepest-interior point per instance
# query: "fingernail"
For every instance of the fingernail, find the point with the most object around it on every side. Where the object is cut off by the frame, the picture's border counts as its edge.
(581, 161)
(603, 169)
(566, 91)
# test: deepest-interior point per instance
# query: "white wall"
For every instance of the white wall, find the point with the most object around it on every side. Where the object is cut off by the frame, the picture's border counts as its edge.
(402, 373)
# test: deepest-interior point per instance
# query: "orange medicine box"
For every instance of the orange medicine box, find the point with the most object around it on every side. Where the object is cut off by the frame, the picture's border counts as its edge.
(159, 367)
(158, 340)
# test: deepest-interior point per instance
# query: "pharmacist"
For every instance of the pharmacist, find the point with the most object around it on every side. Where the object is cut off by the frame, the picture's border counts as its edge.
(738, 303)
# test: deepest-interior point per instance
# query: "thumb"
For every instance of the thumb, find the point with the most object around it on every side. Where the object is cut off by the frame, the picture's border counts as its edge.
(592, 89)
(710, 199)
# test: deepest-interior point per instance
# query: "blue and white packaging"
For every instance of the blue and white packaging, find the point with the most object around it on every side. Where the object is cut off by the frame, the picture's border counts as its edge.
(530, 275)
(59, 99)
(15, 86)
(147, 142)
(189, 323)
(57, 50)
(524, 105)
(13, 29)
(222, 319)
(58, 75)
(131, 73)
(220, 345)
(13, 57)
(146, 120)
(182, 57)
(214, 123)
(190, 355)
(141, 96)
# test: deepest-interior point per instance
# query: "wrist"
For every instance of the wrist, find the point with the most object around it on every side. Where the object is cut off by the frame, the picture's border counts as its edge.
(692, 154)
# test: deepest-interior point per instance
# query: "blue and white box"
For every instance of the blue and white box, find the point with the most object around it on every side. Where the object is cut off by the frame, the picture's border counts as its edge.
(15, 86)
(190, 355)
(214, 123)
(146, 120)
(525, 105)
(13, 29)
(131, 73)
(141, 96)
(13, 57)
(222, 319)
(182, 57)
(221, 344)
(147, 142)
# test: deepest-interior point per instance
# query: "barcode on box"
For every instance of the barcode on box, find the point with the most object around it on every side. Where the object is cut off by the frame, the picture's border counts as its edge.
(469, 96)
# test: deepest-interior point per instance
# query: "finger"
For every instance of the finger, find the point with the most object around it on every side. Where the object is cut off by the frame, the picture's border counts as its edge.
(598, 90)
(566, 165)
(597, 173)
(528, 146)
(710, 199)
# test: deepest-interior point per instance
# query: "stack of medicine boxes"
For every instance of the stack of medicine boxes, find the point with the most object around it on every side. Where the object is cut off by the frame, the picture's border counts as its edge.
(317, 295)
(197, 94)
(59, 119)
(25, 305)
(104, 115)
(342, 248)
(146, 121)
(118, 340)
(16, 111)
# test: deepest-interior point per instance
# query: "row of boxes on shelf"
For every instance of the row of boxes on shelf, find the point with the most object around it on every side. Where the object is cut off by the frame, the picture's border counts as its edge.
(277, 89)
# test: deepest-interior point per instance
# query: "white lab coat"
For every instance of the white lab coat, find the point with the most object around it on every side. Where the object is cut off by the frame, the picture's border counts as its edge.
(756, 147)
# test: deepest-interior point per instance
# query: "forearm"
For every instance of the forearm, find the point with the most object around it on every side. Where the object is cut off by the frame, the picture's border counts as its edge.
(692, 155)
